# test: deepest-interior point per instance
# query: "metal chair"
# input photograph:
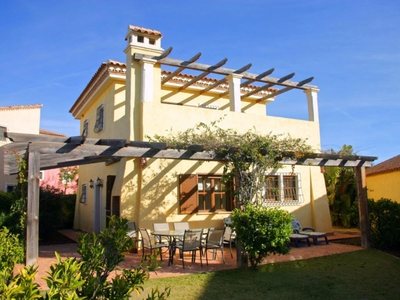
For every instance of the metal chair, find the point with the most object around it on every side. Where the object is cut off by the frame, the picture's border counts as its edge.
(148, 242)
(215, 241)
(161, 227)
(133, 234)
(181, 226)
(229, 238)
(191, 243)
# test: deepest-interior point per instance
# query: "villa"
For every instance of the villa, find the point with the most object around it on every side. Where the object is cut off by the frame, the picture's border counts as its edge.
(150, 94)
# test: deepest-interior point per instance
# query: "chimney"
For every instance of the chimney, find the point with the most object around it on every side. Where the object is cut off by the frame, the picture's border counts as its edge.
(143, 40)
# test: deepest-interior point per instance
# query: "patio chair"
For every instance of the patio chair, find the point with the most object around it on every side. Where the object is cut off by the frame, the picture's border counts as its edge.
(229, 238)
(133, 234)
(161, 227)
(309, 231)
(191, 243)
(148, 242)
(181, 226)
(215, 242)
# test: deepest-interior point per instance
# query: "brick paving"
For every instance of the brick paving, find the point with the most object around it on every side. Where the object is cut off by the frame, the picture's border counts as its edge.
(46, 258)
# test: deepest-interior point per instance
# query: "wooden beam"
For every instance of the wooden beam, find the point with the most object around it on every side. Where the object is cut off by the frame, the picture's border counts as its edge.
(223, 80)
(164, 54)
(268, 85)
(286, 89)
(203, 74)
(362, 206)
(183, 66)
(226, 71)
(247, 82)
(32, 224)
(258, 77)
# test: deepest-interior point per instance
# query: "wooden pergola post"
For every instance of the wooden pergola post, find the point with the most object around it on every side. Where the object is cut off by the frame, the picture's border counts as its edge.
(32, 219)
(362, 205)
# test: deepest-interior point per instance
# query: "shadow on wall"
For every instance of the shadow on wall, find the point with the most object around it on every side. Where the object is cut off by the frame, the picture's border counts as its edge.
(315, 214)
(160, 195)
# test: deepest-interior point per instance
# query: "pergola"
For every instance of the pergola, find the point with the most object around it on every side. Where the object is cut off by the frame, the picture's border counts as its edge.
(47, 152)
(264, 78)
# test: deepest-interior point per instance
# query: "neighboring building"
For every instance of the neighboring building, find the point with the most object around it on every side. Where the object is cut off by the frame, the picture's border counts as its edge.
(26, 119)
(383, 180)
(20, 119)
(137, 99)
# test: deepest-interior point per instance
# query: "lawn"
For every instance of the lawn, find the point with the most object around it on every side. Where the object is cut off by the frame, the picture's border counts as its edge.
(366, 274)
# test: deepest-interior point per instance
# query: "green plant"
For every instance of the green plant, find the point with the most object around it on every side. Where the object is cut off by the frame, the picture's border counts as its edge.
(87, 277)
(262, 231)
(150, 261)
(384, 219)
(246, 156)
(11, 252)
(22, 286)
(65, 279)
(342, 192)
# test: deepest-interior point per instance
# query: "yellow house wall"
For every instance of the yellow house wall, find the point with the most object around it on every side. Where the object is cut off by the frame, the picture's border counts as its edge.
(150, 193)
(384, 185)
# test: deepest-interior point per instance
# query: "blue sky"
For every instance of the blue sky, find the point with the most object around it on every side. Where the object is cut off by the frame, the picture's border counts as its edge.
(50, 49)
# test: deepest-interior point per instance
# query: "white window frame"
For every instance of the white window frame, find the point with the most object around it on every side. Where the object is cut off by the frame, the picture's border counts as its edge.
(282, 201)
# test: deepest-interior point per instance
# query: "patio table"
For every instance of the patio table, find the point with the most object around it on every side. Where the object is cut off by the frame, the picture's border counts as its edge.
(172, 235)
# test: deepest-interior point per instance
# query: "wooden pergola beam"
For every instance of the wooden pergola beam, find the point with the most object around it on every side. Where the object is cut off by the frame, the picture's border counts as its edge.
(223, 80)
(184, 65)
(362, 205)
(268, 85)
(56, 154)
(204, 74)
(226, 71)
(286, 89)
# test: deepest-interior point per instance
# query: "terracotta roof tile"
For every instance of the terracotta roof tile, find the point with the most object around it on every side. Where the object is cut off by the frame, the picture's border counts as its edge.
(392, 164)
(48, 132)
(16, 107)
(145, 30)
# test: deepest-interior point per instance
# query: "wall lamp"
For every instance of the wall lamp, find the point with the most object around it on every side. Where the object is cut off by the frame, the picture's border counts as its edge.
(93, 183)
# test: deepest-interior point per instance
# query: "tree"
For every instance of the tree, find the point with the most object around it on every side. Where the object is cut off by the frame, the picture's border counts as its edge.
(342, 191)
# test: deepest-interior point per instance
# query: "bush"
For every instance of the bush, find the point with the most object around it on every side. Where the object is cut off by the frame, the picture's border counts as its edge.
(262, 231)
(11, 252)
(384, 220)
(87, 277)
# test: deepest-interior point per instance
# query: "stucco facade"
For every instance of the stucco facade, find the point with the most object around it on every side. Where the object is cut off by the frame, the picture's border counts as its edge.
(383, 180)
(131, 101)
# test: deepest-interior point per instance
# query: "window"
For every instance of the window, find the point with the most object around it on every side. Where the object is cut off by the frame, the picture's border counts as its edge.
(289, 188)
(140, 39)
(83, 197)
(11, 188)
(99, 119)
(85, 128)
(272, 192)
(205, 193)
(283, 189)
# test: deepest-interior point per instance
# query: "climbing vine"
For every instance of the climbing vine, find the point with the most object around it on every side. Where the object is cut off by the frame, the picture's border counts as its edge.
(247, 157)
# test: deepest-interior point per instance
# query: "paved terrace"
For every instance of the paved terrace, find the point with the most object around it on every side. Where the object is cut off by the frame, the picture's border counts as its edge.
(46, 257)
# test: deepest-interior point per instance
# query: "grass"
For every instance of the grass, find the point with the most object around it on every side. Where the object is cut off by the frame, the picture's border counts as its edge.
(365, 274)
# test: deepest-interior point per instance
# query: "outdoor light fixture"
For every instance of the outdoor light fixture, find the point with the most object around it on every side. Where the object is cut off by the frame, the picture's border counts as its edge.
(93, 183)
(99, 182)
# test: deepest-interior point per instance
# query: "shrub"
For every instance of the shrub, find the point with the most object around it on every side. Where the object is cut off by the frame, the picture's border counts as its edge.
(56, 209)
(262, 231)
(384, 219)
(87, 277)
(11, 250)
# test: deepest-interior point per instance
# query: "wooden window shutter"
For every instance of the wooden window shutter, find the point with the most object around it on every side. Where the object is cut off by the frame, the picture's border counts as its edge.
(188, 202)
